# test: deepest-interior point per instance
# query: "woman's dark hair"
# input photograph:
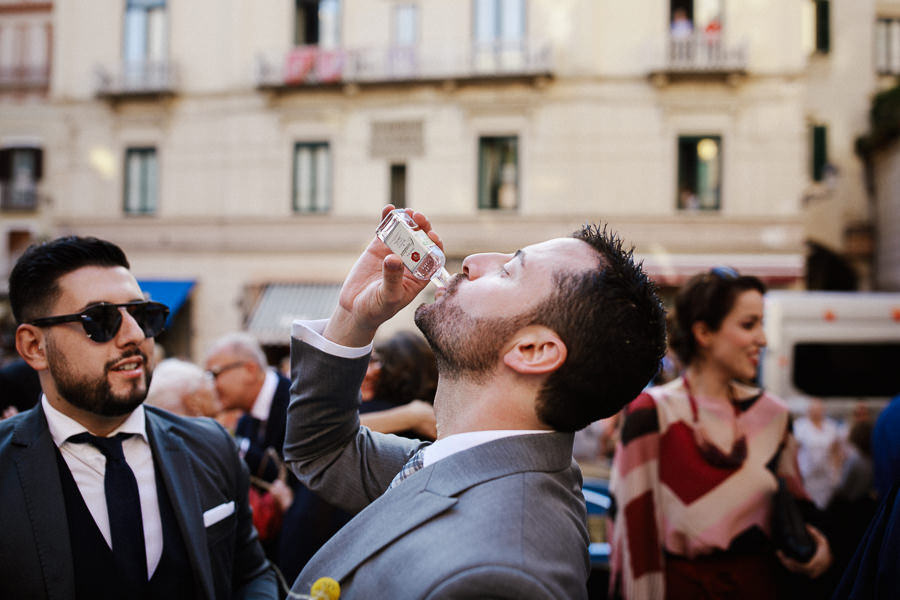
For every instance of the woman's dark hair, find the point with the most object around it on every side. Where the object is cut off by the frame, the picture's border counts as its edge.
(408, 369)
(34, 281)
(706, 298)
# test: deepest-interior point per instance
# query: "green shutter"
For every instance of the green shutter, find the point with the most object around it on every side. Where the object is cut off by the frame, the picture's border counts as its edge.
(823, 26)
(819, 151)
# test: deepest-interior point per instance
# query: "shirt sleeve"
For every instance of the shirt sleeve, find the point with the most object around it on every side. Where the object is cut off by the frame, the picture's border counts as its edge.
(311, 333)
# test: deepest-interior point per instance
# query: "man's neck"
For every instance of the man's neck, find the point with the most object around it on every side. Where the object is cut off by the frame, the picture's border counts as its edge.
(462, 405)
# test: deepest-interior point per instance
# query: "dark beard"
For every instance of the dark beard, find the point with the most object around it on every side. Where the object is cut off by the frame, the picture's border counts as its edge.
(465, 345)
(95, 396)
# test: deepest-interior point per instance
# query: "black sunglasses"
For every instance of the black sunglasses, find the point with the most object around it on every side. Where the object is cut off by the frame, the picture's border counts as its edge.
(101, 322)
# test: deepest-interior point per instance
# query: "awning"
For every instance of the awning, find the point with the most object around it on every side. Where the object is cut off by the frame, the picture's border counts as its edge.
(172, 293)
(281, 303)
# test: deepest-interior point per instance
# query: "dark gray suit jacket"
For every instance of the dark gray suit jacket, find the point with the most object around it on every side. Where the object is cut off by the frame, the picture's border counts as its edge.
(201, 469)
(505, 519)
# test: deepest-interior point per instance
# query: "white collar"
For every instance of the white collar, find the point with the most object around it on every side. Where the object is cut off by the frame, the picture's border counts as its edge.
(263, 403)
(458, 442)
(62, 427)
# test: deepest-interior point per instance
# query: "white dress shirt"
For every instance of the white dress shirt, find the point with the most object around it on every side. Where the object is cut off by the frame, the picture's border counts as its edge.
(311, 333)
(88, 466)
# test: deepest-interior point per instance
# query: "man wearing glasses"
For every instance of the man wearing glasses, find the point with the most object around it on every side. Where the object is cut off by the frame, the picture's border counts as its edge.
(103, 497)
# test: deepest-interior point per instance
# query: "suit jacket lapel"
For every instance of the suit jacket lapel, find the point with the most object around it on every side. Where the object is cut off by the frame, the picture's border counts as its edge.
(178, 477)
(39, 476)
(388, 518)
(428, 493)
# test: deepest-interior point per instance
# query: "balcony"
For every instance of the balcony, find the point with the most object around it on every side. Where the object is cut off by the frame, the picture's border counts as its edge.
(18, 198)
(142, 79)
(314, 67)
(24, 78)
(702, 54)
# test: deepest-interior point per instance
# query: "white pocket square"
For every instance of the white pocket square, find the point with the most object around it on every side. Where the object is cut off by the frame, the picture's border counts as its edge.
(217, 513)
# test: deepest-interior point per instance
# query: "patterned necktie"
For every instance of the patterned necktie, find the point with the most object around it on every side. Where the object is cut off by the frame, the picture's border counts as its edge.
(123, 503)
(412, 465)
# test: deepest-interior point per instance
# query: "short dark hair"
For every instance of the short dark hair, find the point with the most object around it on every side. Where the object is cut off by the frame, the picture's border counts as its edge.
(408, 369)
(706, 298)
(34, 281)
(614, 327)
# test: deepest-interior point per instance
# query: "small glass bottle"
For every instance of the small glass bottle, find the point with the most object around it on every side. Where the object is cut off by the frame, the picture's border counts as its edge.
(419, 253)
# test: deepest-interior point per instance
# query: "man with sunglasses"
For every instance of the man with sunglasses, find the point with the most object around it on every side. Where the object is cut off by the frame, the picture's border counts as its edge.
(101, 496)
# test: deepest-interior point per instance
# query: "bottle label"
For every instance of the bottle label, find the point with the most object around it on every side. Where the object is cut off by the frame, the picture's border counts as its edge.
(411, 246)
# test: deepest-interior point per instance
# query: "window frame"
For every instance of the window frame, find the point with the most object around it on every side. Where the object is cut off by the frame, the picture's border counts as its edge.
(147, 205)
(491, 200)
(681, 173)
(313, 209)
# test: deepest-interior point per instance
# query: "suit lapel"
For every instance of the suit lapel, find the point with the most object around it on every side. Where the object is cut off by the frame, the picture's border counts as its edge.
(39, 476)
(428, 493)
(178, 477)
(388, 518)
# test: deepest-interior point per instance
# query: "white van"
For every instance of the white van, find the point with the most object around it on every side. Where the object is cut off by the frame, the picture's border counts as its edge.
(843, 347)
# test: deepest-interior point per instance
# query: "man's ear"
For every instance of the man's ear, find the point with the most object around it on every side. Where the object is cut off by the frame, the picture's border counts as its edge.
(535, 350)
(31, 345)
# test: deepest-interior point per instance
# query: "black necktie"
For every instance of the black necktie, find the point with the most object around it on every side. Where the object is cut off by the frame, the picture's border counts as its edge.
(123, 503)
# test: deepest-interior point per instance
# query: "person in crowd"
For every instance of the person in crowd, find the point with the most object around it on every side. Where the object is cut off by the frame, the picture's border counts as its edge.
(301, 522)
(183, 388)
(695, 471)
(819, 450)
(873, 569)
(682, 27)
(20, 388)
(530, 347)
(886, 447)
(397, 392)
(853, 502)
(102, 496)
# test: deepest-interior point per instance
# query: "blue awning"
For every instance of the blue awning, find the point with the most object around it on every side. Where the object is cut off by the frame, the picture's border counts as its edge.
(172, 293)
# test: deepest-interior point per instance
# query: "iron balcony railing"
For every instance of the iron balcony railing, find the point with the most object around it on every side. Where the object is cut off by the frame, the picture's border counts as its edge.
(24, 77)
(137, 78)
(705, 52)
(312, 65)
(17, 198)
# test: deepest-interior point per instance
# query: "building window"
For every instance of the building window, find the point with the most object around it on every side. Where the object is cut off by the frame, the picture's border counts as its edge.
(816, 26)
(398, 185)
(317, 23)
(145, 31)
(20, 170)
(699, 173)
(141, 181)
(406, 30)
(24, 54)
(312, 177)
(887, 46)
(499, 35)
(498, 172)
(819, 152)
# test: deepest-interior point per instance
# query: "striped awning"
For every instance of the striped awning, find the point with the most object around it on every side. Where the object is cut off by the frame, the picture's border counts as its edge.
(281, 303)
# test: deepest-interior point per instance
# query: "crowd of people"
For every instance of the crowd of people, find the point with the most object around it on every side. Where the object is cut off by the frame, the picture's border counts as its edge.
(449, 449)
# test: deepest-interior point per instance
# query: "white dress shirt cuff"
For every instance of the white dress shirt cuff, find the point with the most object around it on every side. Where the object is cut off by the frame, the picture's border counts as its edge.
(311, 333)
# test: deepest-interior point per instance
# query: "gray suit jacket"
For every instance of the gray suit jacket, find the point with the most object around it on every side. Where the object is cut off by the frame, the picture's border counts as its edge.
(505, 519)
(200, 468)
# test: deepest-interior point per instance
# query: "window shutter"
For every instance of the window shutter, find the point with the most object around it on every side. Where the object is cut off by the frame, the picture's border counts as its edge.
(823, 26)
(819, 151)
